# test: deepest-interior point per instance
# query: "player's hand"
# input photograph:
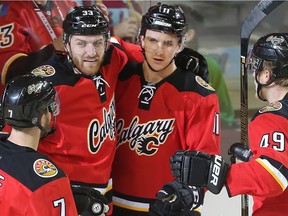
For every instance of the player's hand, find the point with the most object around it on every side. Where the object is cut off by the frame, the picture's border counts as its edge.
(89, 202)
(199, 169)
(189, 59)
(58, 44)
(176, 199)
(104, 10)
(127, 29)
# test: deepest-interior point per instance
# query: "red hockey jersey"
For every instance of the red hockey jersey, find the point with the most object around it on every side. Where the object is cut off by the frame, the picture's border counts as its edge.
(265, 177)
(84, 141)
(26, 27)
(32, 185)
(153, 122)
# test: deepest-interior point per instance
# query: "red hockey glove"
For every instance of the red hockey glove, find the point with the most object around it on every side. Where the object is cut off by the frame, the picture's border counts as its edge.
(190, 59)
(176, 199)
(199, 169)
(89, 201)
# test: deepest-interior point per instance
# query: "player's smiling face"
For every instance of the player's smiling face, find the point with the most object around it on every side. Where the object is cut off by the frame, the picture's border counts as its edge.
(160, 48)
(87, 52)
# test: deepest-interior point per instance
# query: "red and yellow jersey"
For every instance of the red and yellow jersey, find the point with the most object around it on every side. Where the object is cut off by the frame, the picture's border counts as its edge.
(32, 185)
(84, 141)
(26, 27)
(265, 177)
(153, 122)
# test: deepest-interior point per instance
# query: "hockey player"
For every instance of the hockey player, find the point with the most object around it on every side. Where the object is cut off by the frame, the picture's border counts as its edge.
(265, 175)
(30, 183)
(27, 30)
(83, 144)
(160, 109)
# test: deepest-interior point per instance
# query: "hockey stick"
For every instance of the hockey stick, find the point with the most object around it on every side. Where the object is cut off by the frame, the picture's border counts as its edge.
(256, 15)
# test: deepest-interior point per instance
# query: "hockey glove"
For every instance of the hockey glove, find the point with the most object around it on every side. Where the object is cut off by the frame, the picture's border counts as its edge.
(176, 199)
(190, 59)
(239, 151)
(89, 201)
(199, 169)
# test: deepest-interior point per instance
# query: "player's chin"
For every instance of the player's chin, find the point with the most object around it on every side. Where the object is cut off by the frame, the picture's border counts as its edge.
(158, 66)
(90, 71)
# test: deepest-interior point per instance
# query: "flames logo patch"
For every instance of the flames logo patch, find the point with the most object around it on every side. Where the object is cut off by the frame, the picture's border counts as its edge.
(44, 70)
(204, 84)
(271, 107)
(45, 168)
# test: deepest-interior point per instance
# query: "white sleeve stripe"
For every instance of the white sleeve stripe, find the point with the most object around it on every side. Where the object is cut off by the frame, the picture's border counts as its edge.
(106, 189)
(137, 206)
(216, 127)
(277, 175)
(132, 205)
(114, 40)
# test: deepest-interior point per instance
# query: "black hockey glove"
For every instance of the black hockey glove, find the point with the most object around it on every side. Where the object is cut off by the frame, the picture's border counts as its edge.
(239, 151)
(89, 201)
(190, 59)
(176, 199)
(199, 169)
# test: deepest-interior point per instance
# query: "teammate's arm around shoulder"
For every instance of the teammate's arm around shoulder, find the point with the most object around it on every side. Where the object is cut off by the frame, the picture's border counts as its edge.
(203, 122)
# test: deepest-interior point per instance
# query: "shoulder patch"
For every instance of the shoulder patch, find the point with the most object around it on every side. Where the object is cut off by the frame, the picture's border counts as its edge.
(44, 70)
(204, 84)
(45, 168)
(271, 107)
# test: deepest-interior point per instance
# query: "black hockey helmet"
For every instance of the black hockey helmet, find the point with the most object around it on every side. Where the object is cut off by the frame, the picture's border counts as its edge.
(166, 18)
(85, 20)
(25, 98)
(271, 47)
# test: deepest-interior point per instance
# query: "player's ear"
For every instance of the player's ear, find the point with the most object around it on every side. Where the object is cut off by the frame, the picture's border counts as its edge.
(268, 75)
(265, 76)
(44, 116)
(142, 41)
(67, 47)
(190, 34)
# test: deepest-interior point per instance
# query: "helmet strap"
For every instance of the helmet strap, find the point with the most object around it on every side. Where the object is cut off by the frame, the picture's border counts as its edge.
(46, 132)
(69, 56)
